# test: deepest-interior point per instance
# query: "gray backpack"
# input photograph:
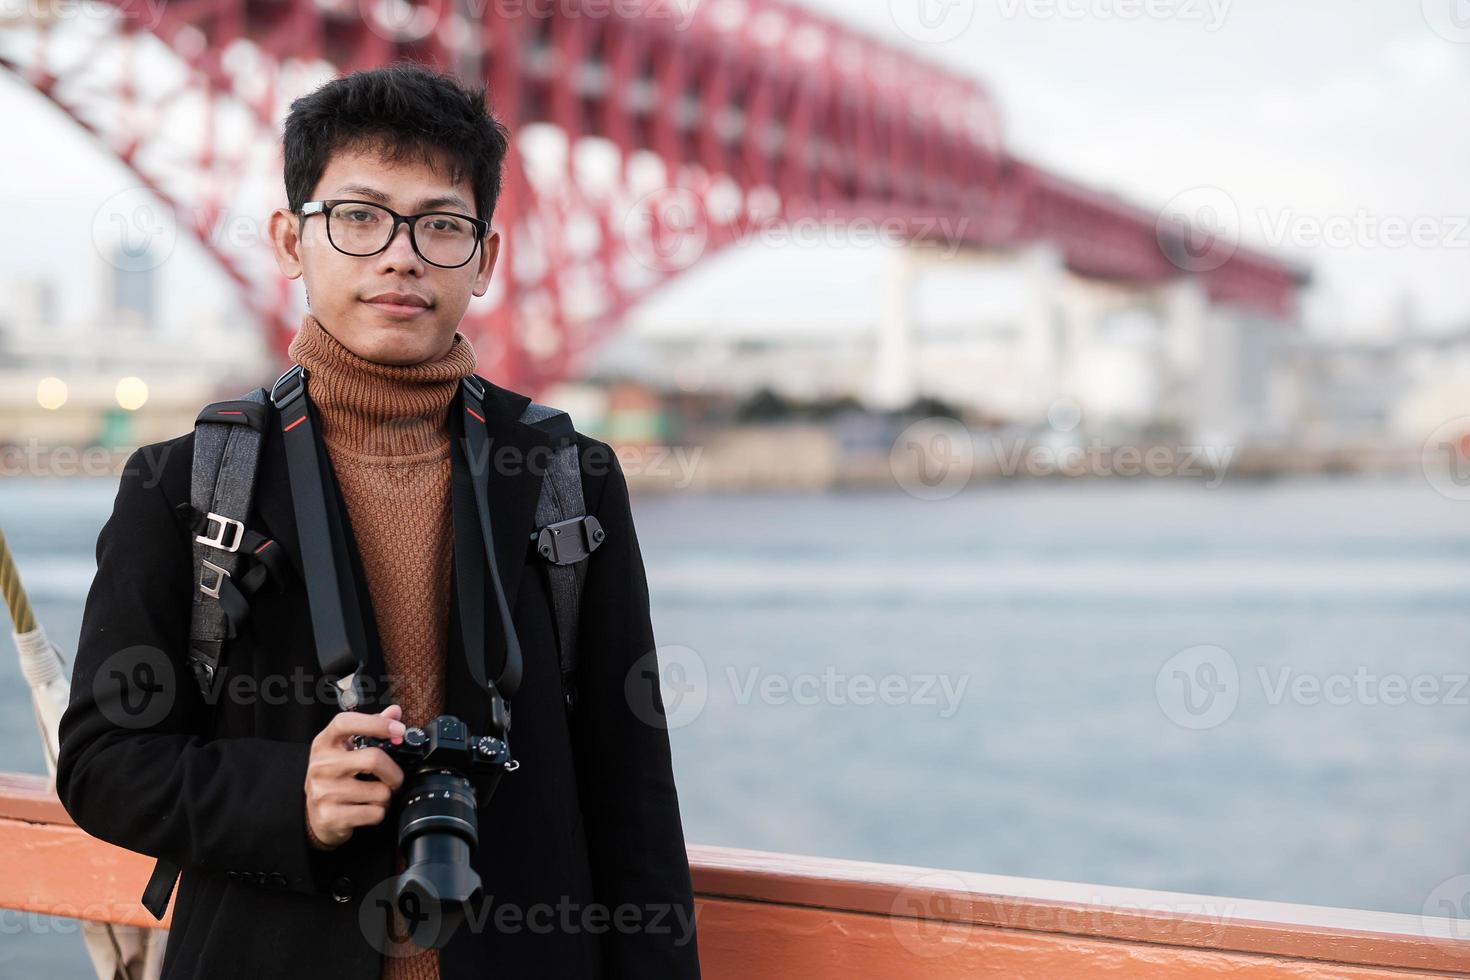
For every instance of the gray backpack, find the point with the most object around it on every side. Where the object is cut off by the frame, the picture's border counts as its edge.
(227, 437)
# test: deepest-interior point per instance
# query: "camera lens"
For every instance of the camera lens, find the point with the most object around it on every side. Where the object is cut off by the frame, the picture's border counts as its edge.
(437, 833)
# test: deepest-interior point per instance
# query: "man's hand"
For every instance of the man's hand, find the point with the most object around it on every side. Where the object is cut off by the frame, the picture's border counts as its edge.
(338, 800)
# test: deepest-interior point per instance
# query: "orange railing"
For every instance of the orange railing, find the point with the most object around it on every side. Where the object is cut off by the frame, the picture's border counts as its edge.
(780, 915)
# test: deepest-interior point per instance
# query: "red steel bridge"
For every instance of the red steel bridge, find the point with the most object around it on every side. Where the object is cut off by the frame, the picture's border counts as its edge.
(649, 135)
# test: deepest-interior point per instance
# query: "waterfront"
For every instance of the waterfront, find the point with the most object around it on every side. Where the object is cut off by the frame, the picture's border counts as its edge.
(1052, 608)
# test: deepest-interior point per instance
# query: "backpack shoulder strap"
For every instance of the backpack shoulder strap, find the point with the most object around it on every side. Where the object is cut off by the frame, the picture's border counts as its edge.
(227, 438)
(565, 536)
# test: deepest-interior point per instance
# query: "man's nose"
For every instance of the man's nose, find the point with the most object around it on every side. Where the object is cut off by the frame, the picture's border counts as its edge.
(400, 256)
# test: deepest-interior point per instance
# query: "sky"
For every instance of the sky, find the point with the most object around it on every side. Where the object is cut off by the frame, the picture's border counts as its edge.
(1337, 132)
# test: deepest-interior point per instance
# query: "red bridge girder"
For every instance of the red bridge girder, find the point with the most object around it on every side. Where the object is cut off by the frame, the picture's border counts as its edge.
(791, 112)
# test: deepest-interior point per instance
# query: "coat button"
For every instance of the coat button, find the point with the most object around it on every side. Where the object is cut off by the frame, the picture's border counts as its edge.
(342, 889)
(277, 879)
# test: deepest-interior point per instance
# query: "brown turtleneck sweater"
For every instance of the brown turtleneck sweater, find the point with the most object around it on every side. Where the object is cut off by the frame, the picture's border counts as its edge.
(386, 430)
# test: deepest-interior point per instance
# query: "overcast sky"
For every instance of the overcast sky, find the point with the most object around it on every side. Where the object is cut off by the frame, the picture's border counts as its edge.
(1317, 120)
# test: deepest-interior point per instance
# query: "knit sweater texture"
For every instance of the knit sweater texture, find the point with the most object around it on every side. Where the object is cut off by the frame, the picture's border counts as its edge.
(386, 431)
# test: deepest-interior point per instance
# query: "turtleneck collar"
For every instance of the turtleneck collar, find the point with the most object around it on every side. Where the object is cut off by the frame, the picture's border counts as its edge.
(377, 410)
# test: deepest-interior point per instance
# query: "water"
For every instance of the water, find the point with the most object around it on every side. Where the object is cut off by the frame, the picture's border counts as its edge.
(1050, 610)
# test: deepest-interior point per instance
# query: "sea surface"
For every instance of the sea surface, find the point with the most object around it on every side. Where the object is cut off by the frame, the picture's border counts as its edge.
(1257, 690)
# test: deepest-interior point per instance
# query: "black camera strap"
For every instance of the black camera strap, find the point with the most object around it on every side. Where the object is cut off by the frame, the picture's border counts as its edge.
(470, 451)
(336, 615)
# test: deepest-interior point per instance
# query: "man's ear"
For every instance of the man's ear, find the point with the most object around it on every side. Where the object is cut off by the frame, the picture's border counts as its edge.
(284, 229)
(489, 252)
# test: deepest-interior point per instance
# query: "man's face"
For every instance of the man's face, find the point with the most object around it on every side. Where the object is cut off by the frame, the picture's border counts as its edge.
(393, 307)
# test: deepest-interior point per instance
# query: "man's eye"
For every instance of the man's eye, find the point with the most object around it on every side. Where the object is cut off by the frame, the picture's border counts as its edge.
(360, 215)
(445, 225)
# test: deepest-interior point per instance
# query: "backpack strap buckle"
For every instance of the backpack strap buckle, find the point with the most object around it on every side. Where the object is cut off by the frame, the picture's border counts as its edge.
(211, 588)
(568, 542)
(226, 526)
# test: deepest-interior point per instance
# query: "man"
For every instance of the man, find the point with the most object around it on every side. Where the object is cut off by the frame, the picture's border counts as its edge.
(287, 839)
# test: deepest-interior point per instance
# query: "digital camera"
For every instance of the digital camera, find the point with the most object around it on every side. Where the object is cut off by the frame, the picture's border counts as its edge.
(448, 774)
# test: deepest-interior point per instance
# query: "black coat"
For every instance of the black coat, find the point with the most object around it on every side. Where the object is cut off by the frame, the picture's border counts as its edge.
(148, 765)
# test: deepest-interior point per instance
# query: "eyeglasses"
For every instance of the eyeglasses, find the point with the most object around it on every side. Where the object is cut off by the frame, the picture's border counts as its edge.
(445, 239)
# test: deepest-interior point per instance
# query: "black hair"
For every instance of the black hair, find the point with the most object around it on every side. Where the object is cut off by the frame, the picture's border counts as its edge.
(404, 111)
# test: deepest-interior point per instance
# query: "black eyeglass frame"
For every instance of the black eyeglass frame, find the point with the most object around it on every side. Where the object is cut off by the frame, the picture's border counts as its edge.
(324, 208)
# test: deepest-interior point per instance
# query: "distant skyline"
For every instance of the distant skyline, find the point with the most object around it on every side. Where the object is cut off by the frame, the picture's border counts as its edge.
(1319, 122)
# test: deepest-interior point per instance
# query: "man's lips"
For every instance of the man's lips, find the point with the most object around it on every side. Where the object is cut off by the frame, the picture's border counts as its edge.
(404, 304)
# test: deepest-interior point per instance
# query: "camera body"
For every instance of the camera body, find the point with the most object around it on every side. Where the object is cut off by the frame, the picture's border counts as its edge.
(443, 743)
(449, 774)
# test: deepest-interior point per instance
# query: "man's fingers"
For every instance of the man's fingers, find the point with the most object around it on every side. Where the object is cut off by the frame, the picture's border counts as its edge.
(348, 816)
(352, 792)
(345, 724)
(347, 763)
